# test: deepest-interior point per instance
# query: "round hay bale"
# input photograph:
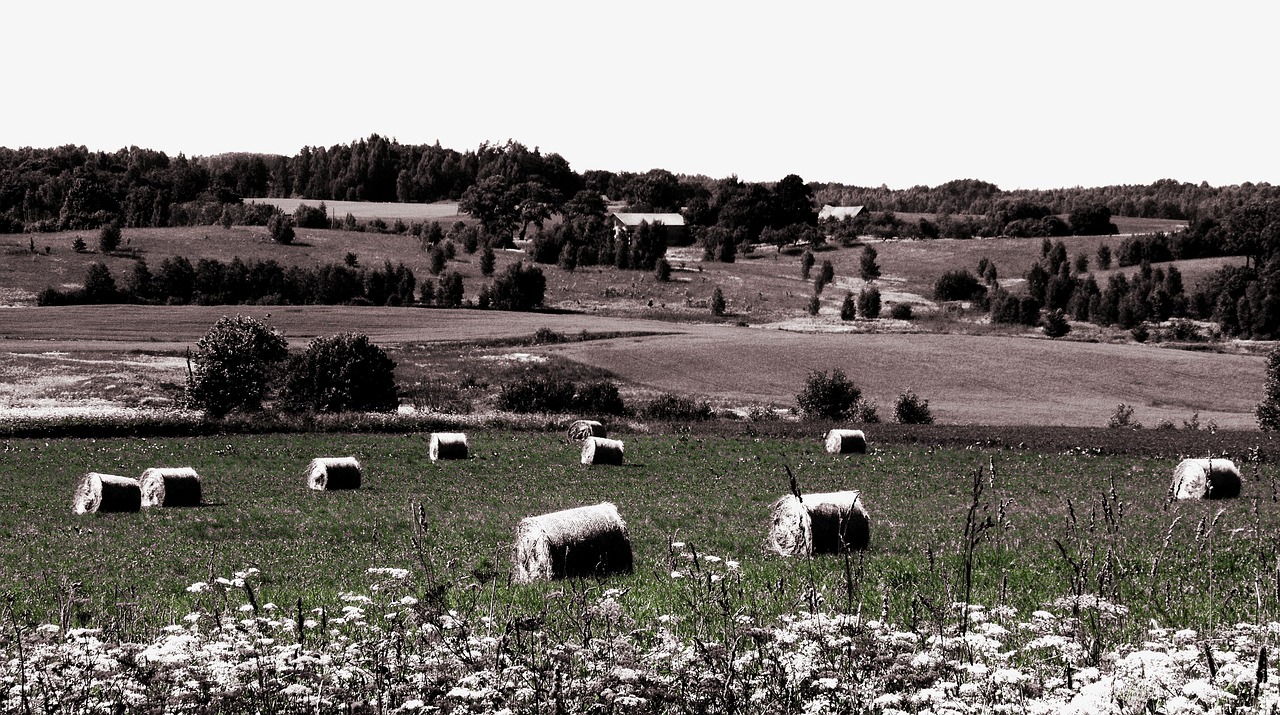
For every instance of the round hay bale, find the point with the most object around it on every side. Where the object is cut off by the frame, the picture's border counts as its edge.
(178, 486)
(331, 473)
(829, 523)
(586, 541)
(846, 441)
(448, 445)
(106, 493)
(599, 450)
(1212, 478)
(580, 430)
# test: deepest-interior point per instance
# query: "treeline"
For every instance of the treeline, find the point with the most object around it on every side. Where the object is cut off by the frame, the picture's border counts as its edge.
(178, 281)
(1166, 198)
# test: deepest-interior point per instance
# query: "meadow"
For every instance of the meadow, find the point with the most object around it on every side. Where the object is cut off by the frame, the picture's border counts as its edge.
(1085, 534)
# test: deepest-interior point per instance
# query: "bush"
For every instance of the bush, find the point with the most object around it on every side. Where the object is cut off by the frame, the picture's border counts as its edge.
(869, 303)
(1122, 418)
(848, 307)
(1268, 410)
(234, 365)
(958, 285)
(806, 264)
(537, 393)
(600, 398)
(815, 304)
(662, 271)
(311, 217)
(674, 408)
(518, 288)
(78, 245)
(717, 302)
(1055, 324)
(901, 311)
(342, 373)
(109, 237)
(867, 412)
(831, 397)
(487, 261)
(547, 336)
(280, 226)
(911, 409)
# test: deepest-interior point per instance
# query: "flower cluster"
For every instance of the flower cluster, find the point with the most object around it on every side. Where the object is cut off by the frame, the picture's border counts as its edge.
(383, 651)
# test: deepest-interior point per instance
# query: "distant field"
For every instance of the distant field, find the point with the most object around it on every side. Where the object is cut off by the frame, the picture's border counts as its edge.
(967, 379)
(369, 209)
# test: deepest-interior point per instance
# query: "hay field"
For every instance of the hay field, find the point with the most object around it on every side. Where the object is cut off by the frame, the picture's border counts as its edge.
(967, 379)
(132, 570)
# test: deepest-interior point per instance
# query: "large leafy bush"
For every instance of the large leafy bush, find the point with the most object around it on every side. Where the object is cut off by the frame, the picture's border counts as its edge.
(233, 365)
(342, 373)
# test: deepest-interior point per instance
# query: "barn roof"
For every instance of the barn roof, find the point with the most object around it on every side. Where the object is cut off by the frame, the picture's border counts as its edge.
(635, 219)
(838, 212)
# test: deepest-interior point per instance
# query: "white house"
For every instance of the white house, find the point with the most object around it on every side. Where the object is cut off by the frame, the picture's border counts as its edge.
(629, 221)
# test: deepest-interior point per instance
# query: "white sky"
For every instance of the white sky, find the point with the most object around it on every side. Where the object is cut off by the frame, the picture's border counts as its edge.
(1024, 94)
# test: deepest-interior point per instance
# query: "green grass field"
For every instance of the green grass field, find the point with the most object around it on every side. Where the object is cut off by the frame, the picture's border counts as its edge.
(1193, 563)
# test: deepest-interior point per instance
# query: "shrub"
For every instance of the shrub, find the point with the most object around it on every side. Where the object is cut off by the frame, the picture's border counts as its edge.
(717, 302)
(1122, 418)
(815, 304)
(547, 336)
(958, 285)
(806, 264)
(450, 291)
(831, 397)
(1055, 324)
(911, 409)
(1268, 410)
(901, 311)
(342, 373)
(487, 261)
(233, 365)
(311, 217)
(280, 226)
(99, 285)
(848, 307)
(867, 412)
(662, 271)
(78, 245)
(537, 393)
(674, 408)
(109, 237)
(518, 288)
(599, 398)
(869, 303)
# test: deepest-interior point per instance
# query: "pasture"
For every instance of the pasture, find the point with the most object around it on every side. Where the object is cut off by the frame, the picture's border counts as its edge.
(443, 211)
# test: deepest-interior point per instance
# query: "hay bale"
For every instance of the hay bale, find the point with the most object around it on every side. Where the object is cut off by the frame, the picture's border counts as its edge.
(599, 450)
(846, 441)
(586, 541)
(106, 493)
(448, 445)
(580, 430)
(178, 486)
(330, 473)
(1212, 478)
(829, 523)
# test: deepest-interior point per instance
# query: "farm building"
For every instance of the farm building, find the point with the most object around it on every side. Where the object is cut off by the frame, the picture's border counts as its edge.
(837, 213)
(627, 222)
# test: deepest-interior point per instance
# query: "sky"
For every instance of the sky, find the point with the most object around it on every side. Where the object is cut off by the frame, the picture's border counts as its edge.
(1025, 94)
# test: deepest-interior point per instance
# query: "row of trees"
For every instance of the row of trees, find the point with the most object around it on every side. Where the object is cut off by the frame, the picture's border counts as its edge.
(208, 281)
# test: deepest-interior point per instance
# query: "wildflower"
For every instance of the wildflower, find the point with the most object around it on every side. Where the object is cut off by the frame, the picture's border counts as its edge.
(415, 704)
(198, 587)
(408, 601)
(245, 608)
(677, 544)
(677, 574)
(731, 565)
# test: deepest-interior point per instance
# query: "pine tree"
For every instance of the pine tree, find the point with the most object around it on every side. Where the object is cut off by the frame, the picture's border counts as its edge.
(849, 308)
(868, 269)
(717, 302)
(1268, 411)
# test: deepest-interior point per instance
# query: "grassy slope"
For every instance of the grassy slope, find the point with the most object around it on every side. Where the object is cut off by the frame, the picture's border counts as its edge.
(713, 492)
